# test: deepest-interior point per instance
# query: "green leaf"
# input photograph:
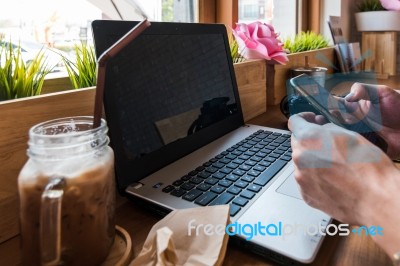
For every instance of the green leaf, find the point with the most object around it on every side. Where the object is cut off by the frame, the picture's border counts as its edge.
(305, 41)
(82, 72)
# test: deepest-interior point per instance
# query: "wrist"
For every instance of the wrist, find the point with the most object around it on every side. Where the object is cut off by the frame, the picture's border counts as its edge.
(382, 208)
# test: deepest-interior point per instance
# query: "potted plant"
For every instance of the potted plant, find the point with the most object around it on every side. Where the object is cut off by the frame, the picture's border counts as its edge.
(378, 15)
(258, 44)
(17, 78)
(379, 22)
(303, 45)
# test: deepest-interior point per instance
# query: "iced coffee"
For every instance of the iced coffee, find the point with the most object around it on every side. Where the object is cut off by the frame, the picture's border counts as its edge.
(87, 197)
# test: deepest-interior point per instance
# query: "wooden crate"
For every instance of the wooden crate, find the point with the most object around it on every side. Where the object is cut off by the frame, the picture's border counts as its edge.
(251, 81)
(18, 116)
(277, 75)
(380, 49)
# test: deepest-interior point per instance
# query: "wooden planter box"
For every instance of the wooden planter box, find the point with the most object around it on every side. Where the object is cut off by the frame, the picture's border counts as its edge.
(251, 81)
(382, 47)
(277, 75)
(18, 116)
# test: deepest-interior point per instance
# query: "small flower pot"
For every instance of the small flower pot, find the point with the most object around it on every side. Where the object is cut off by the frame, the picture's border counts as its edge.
(378, 21)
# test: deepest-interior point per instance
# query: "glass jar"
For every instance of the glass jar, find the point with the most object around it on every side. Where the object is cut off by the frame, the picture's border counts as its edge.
(67, 194)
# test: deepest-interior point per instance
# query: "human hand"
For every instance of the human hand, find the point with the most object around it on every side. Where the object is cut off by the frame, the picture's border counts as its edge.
(338, 170)
(378, 105)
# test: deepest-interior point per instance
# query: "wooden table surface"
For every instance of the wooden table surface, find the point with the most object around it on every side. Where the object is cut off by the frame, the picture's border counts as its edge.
(351, 250)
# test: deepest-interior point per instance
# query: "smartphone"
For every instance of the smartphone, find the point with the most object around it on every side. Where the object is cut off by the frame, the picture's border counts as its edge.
(333, 108)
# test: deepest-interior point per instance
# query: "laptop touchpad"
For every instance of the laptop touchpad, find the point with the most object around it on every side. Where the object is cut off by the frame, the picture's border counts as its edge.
(290, 188)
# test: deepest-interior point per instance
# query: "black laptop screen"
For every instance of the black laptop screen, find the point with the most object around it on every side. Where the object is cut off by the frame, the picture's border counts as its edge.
(167, 95)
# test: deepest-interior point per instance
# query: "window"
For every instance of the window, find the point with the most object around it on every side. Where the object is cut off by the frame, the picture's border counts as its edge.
(280, 13)
(63, 23)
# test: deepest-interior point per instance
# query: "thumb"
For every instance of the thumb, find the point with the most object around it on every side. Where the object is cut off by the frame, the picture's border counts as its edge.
(362, 91)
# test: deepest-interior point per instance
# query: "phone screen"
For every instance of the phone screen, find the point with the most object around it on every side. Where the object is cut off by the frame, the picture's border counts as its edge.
(333, 108)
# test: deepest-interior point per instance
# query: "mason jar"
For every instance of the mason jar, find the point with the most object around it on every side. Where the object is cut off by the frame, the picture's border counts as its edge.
(67, 194)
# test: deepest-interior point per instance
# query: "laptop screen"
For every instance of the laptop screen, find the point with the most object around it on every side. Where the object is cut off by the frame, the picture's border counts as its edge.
(167, 93)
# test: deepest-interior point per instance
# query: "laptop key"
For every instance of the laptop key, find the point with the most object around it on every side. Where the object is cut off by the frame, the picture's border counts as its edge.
(238, 172)
(240, 201)
(224, 161)
(226, 170)
(168, 189)
(187, 186)
(242, 149)
(254, 172)
(271, 171)
(178, 192)
(259, 168)
(248, 178)
(286, 158)
(256, 158)
(232, 177)
(207, 164)
(233, 209)
(204, 174)
(231, 156)
(261, 154)
(250, 162)
(206, 198)
(200, 168)
(211, 169)
(278, 151)
(219, 175)
(186, 177)
(196, 180)
(270, 159)
(232, 165)
(178, 182)
(217, 189)
(218, 165)
(237, 153)
(219, 156)
(225, 183)
(234, 190)
(245, 167)
(238, 161)
(192, 195)
(222, 199)
(241, 184)
(203, 187)
(264, 163)
(211, 181)
(193, 173)
(254, 188)
(244, 157)
(247, 194)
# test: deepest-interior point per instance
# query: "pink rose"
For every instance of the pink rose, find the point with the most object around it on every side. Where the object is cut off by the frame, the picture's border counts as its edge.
(391, 4)
(259, 41)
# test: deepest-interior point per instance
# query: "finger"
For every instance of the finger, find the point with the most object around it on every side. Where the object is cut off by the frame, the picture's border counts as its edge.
(321, 120)
(362, 91)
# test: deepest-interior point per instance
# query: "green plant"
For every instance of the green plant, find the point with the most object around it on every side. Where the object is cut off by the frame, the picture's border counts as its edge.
(305, 41)
(234, 47)
(82, 72)
(370, 5)
(18, 79)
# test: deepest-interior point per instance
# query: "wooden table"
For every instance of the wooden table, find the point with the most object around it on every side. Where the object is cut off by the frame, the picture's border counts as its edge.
(352, 250)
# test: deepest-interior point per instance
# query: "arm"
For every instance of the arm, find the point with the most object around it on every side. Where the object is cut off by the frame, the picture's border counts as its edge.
(342, 174)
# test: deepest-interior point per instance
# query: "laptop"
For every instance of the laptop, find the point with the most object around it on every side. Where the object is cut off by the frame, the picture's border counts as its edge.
(177, 130)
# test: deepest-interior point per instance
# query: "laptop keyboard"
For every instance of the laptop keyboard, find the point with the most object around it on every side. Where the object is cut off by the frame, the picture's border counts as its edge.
(237, 174)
